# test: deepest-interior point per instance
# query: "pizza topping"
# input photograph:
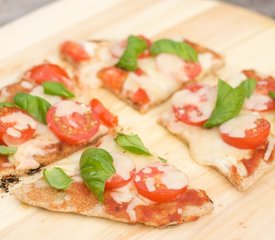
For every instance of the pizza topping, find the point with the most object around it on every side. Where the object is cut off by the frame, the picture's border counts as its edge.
(39, 92)
(16, 126)
(162, 184)
(193, 105)
(74, 51)
(270, 148)
(96, 167)
(140, 97)
(180, 49)
(72, 122)
(57, 178)
(272, 94)
(57, 89)
(132, 143)
(26, 84)
(125, 169)
(246, 131)
(107, 118)
(48, 72)
(135, 47)
(7, 151)
(37, 107)
(113, 78)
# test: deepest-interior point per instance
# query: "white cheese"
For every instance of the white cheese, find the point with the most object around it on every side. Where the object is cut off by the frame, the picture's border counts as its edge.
(26, 84)
(257, 102)
(67, 108)
(118, 48)
(13, 132)
(123, 164)
(237, 126)
(123, 194)
(39, 92)
(270, 148)
(22, 121)
(89, 47)
(150, 184)
(174, 179)
(206, 60)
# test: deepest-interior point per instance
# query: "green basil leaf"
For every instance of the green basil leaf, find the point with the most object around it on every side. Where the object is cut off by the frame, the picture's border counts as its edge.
(6, 104)
(128, 60)
(57, 178)
(96, 166)
(57, 89)
(4, 150)
(162, 160)
(272, 95)
(249, 86)
(228, 104)
(181, 49)
(132, 143)
(37, 107)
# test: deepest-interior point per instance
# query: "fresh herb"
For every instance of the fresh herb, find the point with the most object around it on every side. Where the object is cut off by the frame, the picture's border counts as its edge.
(96, 166)
(181, 49)
(162, 160)
(228, 104)
(57, 89)
(272, 95)
(135, 46)
(4, 150)
(132, 143)
(7, 104)
(249, 86)
(57, 178)
(37, 107)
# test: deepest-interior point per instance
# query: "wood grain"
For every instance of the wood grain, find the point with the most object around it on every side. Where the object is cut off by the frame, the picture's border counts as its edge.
(246, 39)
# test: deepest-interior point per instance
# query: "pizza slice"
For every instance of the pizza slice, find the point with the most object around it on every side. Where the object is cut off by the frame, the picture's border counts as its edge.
(139, 71)
(41, 121)
(226, 127)
(120, 180)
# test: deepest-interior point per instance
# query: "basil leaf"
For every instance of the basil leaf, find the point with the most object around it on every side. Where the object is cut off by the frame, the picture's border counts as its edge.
(57, 89)
(228, 104)
(272, 95)
(132, 143)
(181, 49)
(162, 160)
(37, 107)
(57, 178)
(96, 166)
(4, 150)
(249, 86)
(128, 60)
(6, 104)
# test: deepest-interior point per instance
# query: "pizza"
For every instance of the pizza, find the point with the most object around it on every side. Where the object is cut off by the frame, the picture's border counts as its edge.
(41, 120)
(142, 72)
(118, 179)
(228, 127)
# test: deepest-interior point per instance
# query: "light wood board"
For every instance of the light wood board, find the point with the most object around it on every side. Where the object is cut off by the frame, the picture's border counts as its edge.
(245, 38)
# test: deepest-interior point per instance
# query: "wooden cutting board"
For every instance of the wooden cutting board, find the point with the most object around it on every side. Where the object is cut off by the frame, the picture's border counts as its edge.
(247, 41)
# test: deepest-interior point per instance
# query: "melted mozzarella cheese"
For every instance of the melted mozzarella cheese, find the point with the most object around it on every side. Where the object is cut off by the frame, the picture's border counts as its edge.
(89, 47)
(39, 92)
(206, 60)
(123, 194)
(123, 164)
(237, 126)
(150, 184)
(26, 84)
(174, 179)
(13, 132)
(24, 123)
(270, 148)
(257, 102)
(67, 108)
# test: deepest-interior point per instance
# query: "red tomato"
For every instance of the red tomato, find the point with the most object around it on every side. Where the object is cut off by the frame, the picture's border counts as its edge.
(105, 116)
(74, 51)
(74, 127)
(254, 137)
(117, 181)
(13, 131)
(192, 69)
(113, 78)
(189, 111)
(48, 72)
(140, 97)
(139, 72)
(150, 182)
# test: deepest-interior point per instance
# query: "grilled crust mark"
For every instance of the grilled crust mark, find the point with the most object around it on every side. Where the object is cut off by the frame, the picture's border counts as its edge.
(78, 199)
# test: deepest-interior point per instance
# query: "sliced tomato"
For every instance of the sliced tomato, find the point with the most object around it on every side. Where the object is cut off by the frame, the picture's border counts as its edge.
(254, 137)
(74, 51)
(140, 97)
(192, 69)
(116, 181)
(48, 72)
(139, 72)
(194, 100)
(113, 78)
(16, 126)
(106, 117)
(76, 123)
(160, 182)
